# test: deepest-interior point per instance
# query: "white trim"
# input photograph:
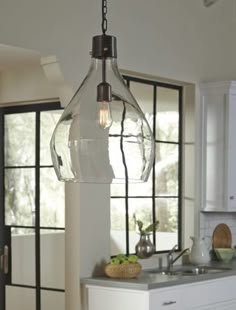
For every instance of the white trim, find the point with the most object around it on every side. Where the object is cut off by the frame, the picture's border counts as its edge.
(218, 88)
(53, 72)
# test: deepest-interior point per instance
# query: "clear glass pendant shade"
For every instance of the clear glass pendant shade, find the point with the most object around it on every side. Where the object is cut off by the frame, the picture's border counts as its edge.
(102, 142)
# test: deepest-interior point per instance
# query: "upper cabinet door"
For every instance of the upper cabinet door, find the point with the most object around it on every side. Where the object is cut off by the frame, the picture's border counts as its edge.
(218, 102)
(230, 193)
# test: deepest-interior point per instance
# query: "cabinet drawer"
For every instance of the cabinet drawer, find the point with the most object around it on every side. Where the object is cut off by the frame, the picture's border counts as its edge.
(169, 299)
(211, 293)
(227, 305)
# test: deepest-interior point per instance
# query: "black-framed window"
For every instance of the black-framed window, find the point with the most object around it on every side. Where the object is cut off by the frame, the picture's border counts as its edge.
(160, 197)
(33, 205)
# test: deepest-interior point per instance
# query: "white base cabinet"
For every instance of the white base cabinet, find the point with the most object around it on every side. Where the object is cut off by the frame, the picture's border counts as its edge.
(217, 294)
(104, 298)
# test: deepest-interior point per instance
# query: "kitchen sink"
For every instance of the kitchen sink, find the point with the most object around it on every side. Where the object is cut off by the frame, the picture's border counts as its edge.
(190, 271)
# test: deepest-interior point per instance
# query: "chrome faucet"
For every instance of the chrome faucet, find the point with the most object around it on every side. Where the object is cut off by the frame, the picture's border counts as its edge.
(171, 260)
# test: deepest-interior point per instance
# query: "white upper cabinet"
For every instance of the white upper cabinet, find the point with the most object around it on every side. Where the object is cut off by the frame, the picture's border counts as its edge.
(218, 103)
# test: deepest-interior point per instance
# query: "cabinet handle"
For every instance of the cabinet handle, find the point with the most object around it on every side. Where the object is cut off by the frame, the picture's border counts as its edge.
(4, 260)
(231, 197)
(168, 303)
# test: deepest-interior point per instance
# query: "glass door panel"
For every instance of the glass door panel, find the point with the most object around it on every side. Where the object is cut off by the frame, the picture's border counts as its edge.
(48, 121)
(52, 300)
(23, 256)
(32, 217)
(52, 259)
(20, 298)
(19, 139)
(52, 199)
(20, 196)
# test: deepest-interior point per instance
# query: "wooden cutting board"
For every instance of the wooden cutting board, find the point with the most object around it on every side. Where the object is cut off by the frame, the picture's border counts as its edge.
(222, 237)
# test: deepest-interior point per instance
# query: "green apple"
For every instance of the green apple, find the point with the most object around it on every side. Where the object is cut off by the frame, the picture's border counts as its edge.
(115, 261)
(125, 262)
(122, 258)
(133, 259)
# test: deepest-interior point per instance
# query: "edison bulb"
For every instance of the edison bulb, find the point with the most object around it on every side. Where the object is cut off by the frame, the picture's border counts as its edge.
(104, 118)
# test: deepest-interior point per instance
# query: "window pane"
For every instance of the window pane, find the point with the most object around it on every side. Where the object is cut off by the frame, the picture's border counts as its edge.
(167, 116)
(141, 189)
(166, 169)
(52, 259)
(19, 139)
(23, 256)
(118, 239)
(52, 199)
(142, 208)
(52, 300)
(48, 121)
(19, 196)
(167, 215)
(117, 190)
(143, 93)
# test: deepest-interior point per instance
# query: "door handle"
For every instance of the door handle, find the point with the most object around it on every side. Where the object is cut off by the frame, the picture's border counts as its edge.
(4, 265)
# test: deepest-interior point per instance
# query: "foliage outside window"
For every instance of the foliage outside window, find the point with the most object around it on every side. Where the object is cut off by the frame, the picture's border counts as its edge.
(160, 197)
(27, 135)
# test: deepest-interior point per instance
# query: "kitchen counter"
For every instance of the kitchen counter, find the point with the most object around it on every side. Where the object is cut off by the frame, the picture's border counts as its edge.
(149, 280)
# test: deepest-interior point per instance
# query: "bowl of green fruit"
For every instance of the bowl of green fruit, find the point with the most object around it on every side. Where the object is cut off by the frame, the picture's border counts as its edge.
(123, 267)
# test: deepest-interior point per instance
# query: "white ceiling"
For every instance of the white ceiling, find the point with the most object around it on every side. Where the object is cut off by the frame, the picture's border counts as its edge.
(11, 57)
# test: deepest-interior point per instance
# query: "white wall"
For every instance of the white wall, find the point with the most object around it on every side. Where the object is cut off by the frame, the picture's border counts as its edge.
(209, 221)
(25, 84)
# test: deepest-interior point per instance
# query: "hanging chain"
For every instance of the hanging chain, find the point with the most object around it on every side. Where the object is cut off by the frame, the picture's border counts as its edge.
(104, 16)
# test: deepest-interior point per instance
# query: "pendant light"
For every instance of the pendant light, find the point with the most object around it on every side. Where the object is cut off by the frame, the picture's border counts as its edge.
(102, 135)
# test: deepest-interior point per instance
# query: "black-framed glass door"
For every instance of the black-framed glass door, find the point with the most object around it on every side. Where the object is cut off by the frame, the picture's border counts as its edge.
(31, 211)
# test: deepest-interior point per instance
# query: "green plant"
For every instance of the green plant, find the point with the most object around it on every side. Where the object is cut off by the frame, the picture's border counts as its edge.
(149, 228)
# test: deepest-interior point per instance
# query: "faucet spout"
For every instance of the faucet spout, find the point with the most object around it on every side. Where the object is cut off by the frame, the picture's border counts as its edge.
(171, 260)
(181, 254)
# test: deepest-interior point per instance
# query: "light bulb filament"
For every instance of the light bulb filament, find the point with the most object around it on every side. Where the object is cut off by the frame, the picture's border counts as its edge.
(104, 114)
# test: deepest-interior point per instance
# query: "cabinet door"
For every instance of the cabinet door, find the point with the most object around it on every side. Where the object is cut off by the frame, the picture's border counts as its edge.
(218, 104)
(103, 298)
(215, 127)
(230, 195)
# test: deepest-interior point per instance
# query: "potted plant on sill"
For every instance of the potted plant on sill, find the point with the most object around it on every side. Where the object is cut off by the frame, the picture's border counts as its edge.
(145, 248)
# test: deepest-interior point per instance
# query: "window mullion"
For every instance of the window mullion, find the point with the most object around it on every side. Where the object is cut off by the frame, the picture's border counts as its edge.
(154, 163)
(37, 212)
(126, 190)
(180, 166)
